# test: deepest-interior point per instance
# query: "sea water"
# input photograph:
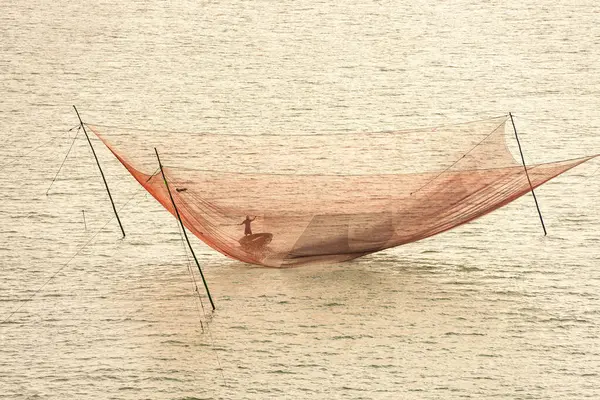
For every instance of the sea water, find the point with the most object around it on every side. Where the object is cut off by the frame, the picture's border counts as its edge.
(492, 309)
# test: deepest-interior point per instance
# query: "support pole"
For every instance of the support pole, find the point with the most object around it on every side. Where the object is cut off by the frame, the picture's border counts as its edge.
(101, 172)
(527, 174)
(183, 229)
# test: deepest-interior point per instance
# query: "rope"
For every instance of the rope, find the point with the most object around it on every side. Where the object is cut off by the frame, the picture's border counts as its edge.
(295, 134)
(193, 278)
(65, 264)
(16, 158)
(568, 128)
(63, 162)
(591, 176)
(195, 284)
(457, 161)
(180, 229)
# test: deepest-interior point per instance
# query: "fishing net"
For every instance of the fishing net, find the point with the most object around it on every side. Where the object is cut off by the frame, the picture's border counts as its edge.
(285, 200)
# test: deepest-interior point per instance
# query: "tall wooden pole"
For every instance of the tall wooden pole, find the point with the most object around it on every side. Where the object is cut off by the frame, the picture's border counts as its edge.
(183, 229)
(101, 172)
(527, 174)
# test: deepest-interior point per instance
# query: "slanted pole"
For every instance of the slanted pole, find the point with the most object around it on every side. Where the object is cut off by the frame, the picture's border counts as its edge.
(101, 172)
(527, 174)
(183, 229)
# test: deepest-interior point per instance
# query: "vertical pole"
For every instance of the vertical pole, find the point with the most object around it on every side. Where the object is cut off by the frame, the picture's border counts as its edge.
(527, 174)
(183, 229)
(101, 172)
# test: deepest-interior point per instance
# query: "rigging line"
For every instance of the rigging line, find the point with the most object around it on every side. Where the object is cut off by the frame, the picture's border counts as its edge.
(212, 341)
(464, 155)
(76, 126)
(207, 317)
(67, 263)
(568, 128)
(17, 158)
(160, 166)
(598, 169)
(294, 134)
(137, 202)
(193, 278)
(31, 151)
(214, 171)
(13, 142)
(592, 175)
(63, 162)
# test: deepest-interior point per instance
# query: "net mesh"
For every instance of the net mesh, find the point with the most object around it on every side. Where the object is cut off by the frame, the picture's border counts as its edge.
(285, 200)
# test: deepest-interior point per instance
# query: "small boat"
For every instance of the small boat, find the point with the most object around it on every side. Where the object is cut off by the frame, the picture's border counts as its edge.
(256, 241)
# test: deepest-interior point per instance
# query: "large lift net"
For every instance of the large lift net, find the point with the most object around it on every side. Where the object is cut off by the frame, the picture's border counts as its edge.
(285, 200)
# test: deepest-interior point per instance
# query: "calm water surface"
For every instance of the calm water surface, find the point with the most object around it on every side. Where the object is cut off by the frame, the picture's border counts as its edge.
(490, 310)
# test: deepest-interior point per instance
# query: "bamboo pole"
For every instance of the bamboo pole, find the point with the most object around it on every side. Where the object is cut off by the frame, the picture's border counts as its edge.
(101, 172)
(184, 232)
(527, 174)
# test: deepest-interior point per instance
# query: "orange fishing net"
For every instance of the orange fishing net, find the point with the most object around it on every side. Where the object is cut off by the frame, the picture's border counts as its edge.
(284, 200)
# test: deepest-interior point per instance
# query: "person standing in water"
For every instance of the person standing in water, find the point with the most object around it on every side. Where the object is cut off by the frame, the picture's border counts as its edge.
(248, 228)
